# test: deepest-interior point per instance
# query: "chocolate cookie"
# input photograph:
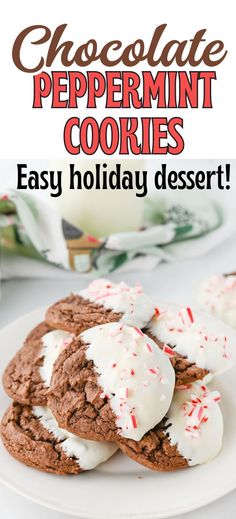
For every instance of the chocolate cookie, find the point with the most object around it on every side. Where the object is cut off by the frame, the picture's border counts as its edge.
(185, 372)
(111, 381)
(154, 450)
(27, 376)
(102, 302)
(190, 434)
(37, 332)
(76, 314)
(31, 435)
(197, 345)
(217, 295)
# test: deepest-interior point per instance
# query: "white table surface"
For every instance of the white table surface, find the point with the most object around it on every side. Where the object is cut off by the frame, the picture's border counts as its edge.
(170, 281)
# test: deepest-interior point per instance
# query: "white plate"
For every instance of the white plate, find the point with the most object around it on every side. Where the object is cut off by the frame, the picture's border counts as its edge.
(121, 488)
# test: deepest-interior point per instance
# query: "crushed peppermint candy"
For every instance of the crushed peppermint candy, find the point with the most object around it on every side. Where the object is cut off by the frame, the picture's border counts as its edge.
(169, 351)
(152, 371)
(116, 331)
(139, 332)
(123, 392)
(149, 347)
(127, 373)
(217, 295)
(121, 298)
(134, 421)
(186, 316)
(195, 411)
(188, 334)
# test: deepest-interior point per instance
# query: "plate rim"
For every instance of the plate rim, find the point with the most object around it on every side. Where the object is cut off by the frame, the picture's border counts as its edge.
(53, 506)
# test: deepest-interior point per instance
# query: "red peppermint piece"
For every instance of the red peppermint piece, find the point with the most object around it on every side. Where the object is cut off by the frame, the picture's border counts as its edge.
(153, 371)
(134, 421)
(190, 314)
(138, 331)
(168, 350)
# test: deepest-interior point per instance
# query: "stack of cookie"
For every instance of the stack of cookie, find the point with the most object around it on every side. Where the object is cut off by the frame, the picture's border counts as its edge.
(111, 368)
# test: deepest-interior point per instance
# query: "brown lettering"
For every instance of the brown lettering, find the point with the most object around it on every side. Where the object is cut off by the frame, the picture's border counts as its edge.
(194, 51)
(16, 50)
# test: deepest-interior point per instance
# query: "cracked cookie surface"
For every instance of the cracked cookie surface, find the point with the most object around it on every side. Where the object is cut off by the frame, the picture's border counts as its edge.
(76, 314)
(185, 372)
(154, 450)
(21, 379)
(75, 396)
(28, 441)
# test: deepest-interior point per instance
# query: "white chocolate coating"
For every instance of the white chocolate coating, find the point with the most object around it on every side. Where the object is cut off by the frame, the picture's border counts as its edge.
(196, 424)
(53, 344)
(137, 307)
(88, 454)
(202, 339)
(133, 372)
(217, 295)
